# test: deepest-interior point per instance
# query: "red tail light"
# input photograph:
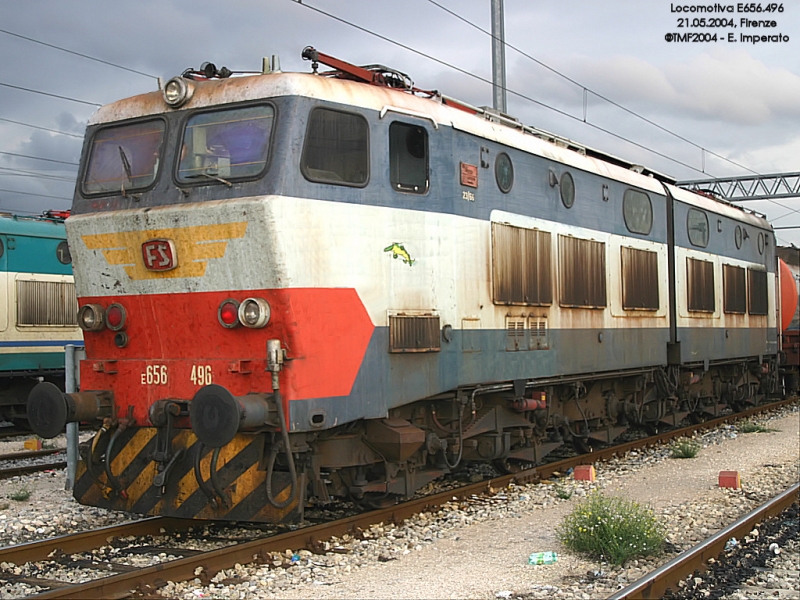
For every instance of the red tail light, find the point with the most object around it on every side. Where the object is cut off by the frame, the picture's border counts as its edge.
(115, 317)
(228, 313)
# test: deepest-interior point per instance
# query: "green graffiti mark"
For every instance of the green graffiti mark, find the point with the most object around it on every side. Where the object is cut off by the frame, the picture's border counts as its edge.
(397, 249)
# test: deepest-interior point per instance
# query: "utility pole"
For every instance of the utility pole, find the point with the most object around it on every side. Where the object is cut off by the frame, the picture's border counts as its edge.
(499, 57)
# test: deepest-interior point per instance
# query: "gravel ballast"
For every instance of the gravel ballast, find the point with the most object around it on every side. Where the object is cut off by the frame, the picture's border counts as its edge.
(477, 549)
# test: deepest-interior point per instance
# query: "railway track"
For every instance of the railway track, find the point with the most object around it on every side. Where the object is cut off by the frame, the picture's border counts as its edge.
(670, 575)
(10, 467)
(116, 581)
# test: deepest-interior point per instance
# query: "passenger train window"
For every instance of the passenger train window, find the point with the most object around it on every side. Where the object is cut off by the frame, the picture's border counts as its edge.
(124, 158)
(637, 211)
(336, 148)
(697, 227)
(225, 144)
(408, 157)
(504, 172)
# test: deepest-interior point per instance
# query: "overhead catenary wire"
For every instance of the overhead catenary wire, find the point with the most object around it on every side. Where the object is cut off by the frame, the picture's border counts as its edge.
(24, 89)
(9, 172)
(484, 80)
(532, 100)
(32, 194)
(86, 56)
(53, 160)
(598, 95)
(75, 135)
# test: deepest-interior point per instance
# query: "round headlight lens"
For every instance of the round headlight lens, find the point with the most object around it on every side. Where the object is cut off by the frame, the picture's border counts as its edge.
(254, 313)
(177, 91)
(91, 317)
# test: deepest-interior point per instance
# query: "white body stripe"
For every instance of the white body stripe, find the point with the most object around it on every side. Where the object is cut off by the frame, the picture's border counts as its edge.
(300, 243)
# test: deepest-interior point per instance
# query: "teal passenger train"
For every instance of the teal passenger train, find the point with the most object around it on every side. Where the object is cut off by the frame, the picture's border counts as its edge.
(37, 307)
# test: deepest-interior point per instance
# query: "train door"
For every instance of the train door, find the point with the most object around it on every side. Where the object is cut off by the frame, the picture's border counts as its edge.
(4, 305)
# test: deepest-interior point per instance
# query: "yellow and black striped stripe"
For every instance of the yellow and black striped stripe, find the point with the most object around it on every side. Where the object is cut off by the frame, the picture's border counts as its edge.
(240, 476)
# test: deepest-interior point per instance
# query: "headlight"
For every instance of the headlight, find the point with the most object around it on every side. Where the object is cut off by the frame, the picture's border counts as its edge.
(177, 92)
(91, 317)
(254, 313)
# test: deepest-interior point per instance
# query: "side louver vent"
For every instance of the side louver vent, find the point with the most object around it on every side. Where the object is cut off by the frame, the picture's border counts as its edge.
(46, 303)
(414, 333)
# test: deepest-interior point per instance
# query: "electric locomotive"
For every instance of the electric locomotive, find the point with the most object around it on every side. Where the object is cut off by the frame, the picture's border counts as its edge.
(296, 287)
(37, 307)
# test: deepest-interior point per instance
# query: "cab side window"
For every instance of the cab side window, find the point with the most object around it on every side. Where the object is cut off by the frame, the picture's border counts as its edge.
(336, 148)
(408, 156)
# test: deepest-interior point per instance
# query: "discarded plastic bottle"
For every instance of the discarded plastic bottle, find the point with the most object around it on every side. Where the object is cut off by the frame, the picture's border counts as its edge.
(542, 558)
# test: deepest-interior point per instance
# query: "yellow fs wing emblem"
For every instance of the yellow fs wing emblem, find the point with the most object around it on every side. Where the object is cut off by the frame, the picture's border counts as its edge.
(194, 245)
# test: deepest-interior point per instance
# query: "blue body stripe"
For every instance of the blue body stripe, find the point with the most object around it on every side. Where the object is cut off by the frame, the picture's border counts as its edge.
(35, 343)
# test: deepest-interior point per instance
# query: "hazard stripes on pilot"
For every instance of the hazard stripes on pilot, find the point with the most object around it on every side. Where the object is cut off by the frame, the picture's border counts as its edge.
(130, 470)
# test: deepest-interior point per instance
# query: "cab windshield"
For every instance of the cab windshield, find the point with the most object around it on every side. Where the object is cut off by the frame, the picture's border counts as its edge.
(124, 158)
(225, 144)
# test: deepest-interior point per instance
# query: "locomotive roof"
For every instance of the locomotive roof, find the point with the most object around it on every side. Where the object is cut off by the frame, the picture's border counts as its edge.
(380, 98)
(11, 224)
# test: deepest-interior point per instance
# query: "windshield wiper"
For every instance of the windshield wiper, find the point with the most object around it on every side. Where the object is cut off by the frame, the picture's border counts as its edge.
(210, 176)
(126, 165)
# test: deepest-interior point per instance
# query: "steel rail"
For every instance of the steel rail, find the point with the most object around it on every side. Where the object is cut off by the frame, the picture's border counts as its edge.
(667, 576)
(8, 472)
(184, 569)
(24, 470)
(74, 543)
(31, 454)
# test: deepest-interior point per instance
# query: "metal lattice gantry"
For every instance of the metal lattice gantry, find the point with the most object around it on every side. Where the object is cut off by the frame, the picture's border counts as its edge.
(751, 187)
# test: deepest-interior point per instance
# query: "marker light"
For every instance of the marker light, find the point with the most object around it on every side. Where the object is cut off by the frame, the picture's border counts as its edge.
(115, 317)
(254, 313)
(177, 91)
(91, 317)
(228, 313)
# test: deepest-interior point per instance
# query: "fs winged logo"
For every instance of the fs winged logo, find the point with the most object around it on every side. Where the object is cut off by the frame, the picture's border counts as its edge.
(153, 253)
(159, 255)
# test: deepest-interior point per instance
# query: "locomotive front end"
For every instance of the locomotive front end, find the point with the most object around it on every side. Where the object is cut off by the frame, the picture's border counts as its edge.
(187, 321)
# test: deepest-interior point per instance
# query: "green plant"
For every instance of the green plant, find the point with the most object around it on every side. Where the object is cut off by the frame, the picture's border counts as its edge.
(753, 427)
(20, 495)
(685, 449)
(612, 528)
(563, 492)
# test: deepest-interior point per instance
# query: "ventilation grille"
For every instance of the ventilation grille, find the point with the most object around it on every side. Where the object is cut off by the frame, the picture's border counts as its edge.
(45, 303)
(414, 333)
(515, 334)
(700, 285)
(538, 326)
(735, 296)
(639, 279)
(521, 265)
(583, 272)
(758, 292)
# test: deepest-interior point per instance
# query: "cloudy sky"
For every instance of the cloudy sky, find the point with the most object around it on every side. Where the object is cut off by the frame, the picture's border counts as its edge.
(709, 101)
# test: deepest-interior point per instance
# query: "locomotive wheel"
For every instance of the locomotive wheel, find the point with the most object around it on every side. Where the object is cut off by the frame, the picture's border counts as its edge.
(582, 445)
(376, 501)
